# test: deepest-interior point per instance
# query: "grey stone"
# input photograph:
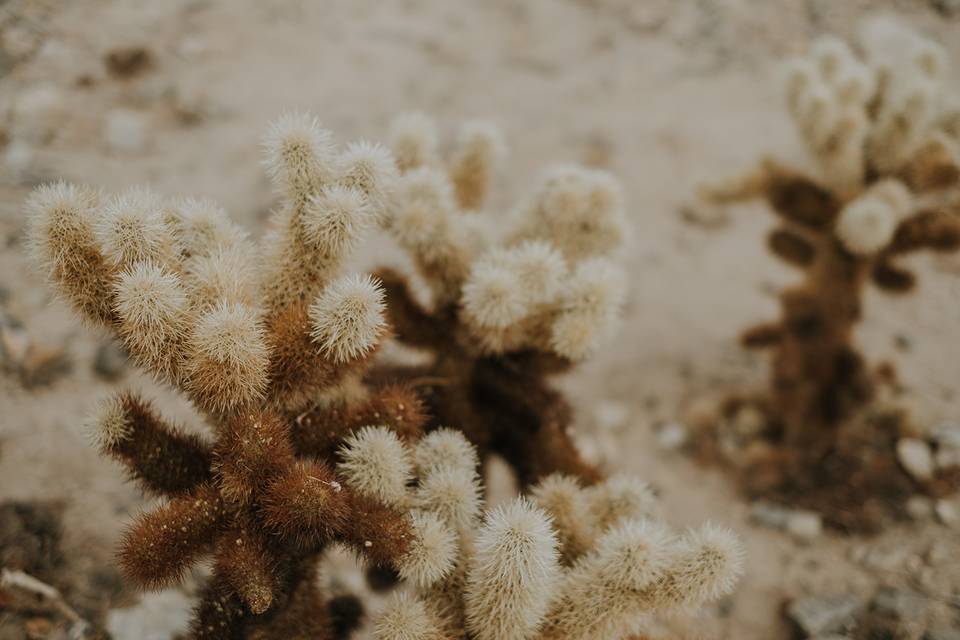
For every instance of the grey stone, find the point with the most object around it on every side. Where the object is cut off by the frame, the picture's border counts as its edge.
(942, 634)
(948, 512)
(920, 507)
(804, 525)
(946, 435)
(947, 458)
(110, 361)
(900, 604)
(768, 514)
(916, 458)
(159, 615)
(818, 615)
(671, 436)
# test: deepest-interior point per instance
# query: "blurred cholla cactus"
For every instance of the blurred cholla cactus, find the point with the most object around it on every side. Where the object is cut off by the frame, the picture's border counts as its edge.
(886, 139)
(565, 562)
(509, 306)
(269, 346)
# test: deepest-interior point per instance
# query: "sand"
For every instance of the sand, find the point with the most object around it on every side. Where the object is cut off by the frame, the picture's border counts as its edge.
(663, 94)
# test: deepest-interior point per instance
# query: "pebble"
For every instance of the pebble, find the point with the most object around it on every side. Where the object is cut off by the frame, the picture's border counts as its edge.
(818, 615)
(126, 130)
(672, 436)
(611, 415)
(110, 361)
(920, 507)
(885, 559)
(947, 458)
(126, 62)
(158, 616)
(35, 362)
(916, 458)
(946, 435)
(706, 215)
(768, 514)
(948, 512)
(804, 525)
(901, 604)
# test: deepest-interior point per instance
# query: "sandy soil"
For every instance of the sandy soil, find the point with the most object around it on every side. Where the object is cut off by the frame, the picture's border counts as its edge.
(664, 94)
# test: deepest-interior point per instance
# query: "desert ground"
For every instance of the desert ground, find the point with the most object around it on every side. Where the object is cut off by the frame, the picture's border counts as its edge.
(665, 95)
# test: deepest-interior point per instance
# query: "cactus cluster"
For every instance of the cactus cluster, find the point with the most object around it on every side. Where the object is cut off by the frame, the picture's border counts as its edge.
(311, 446)
(513, 298)
(885, 136)
(564, 562)
(272, 361)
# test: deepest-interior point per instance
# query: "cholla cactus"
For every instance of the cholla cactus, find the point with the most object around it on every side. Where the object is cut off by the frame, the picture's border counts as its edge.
(566, 562)
(272, 358)
(886, 137)
(509, 307)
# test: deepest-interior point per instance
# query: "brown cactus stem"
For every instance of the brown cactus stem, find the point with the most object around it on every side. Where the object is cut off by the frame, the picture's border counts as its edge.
(299, 613)
(531, 421)
(819, 379)
(505, 406)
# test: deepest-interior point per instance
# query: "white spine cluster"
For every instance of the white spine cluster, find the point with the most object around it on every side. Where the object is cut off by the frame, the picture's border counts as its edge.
(178, 281)
(549, 282)
(329, 199)
(347, 318)
(512, 573)
(867, 224)
(568, 563)
(877, 113)
(828, 93)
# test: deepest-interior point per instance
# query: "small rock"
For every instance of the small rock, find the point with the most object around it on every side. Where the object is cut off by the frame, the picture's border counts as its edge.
(946, 435)
(920, 507)
(804, 525)
(611, 415)
(159, 615)
(43, 364)
(127, 62)
(942, 634)
(885, 559)
(749, 422)
(947, 458)
(36, 363)
(900, 604)
(818, 615)
(916, 458)
(706, 215)
(110, 361)
(768, 514)
(126, 130)
(948, 512)
(671, 436)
